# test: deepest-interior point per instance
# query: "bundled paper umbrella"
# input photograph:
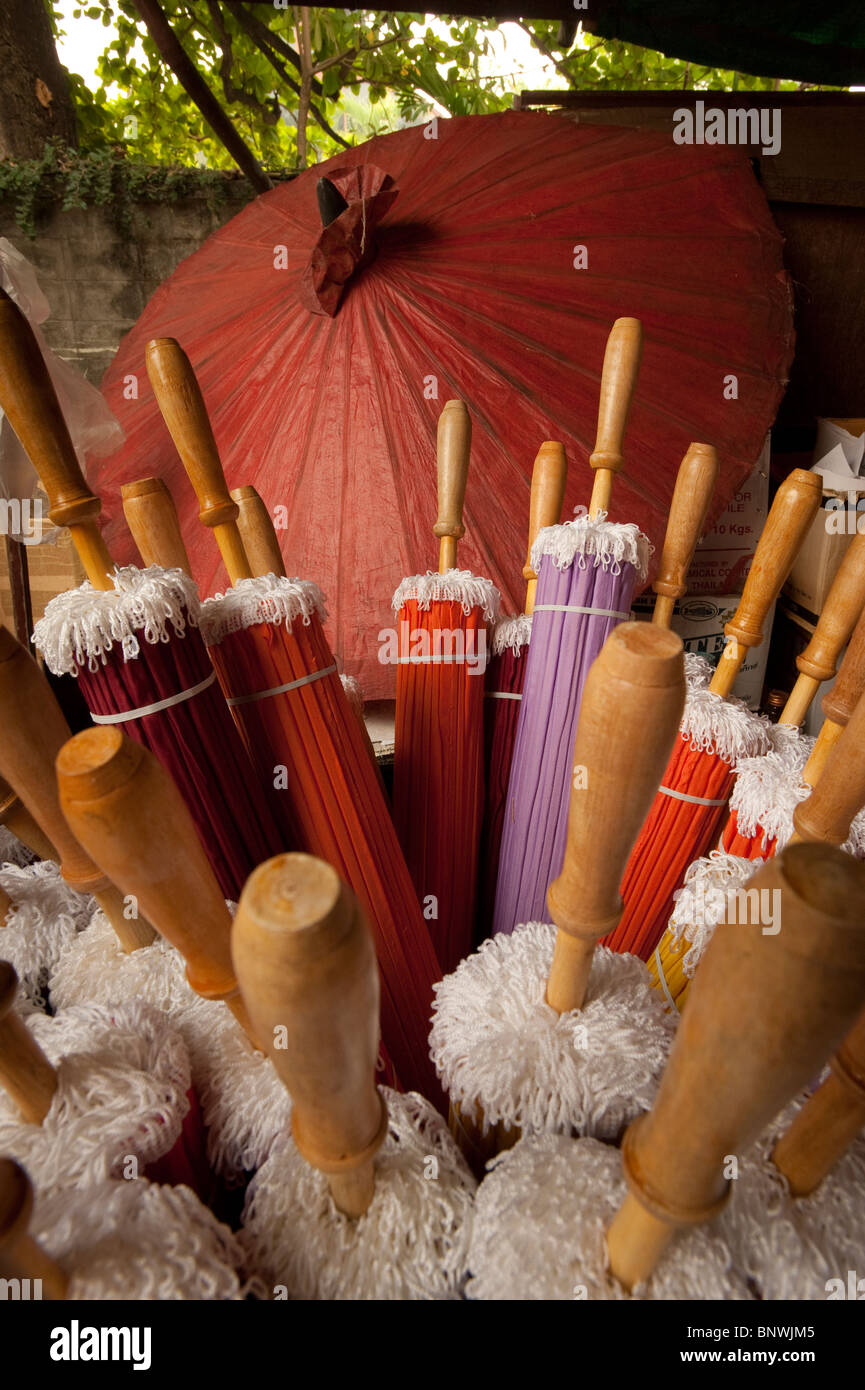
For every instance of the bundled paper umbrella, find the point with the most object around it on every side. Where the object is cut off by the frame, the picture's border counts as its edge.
(587, 572)
(696, 1217)
(123, 806)
(764, 796)
(280, 678)
(114, 1241)
(438, 772)
(368, 1196)
(539, 1031)
(91, 1093)
(130, 636)
(717, 732)
(455, 303)
(768, 794)
(506, 670)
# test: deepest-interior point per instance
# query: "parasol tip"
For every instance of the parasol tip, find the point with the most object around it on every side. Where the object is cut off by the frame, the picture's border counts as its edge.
(330, 201)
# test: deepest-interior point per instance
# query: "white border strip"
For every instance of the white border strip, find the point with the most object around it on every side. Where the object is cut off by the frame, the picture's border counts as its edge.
(575, 608)
(234, 700)
(694, 800)
(126, 715)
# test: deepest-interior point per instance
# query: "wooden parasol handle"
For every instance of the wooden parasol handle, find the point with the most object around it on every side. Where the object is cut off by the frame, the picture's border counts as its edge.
(453, 448)
(838, 704)
(179, 398)
(15, 816)
(545, 505)
(790, 516)
(742, 1051)
(629, 716)
(828, 1121)
(257, 532)
(21, 1257)
(621, 368)
(152, 520)
(6, 906)
(32, 730)
(695, 483)
(841, 612)
(25, 1072)
(125, 809)
(306, 962)
(839, 793)
(30, 402)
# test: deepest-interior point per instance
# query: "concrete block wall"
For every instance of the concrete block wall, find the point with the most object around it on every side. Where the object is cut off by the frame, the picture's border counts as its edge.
(98, 279)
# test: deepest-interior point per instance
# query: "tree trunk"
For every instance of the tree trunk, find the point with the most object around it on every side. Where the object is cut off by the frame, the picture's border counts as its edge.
(35, 104)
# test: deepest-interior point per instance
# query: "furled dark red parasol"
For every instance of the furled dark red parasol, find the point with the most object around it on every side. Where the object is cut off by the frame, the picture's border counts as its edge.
(483, 258)
(131, 636)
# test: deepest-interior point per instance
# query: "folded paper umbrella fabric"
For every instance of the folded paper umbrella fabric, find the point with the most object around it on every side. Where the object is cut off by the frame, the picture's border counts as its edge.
(114, 1241)
(438, 771)
(123, 805)
(799, 789)
(587, 570)
(131, 636)
(538, 1031)
(266, 641)
(716, 733)
(368, 1196)
(506, 671)
(91, 1093)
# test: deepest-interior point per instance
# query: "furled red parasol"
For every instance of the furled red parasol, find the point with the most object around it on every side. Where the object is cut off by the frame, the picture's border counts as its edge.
(328, 415)
(280, 678)
(438, 775)
(716, 733)
(161, 689)
(506, 671)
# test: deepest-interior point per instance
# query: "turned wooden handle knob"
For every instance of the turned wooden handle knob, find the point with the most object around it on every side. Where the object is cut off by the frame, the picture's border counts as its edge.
(152, 520)
(631, 707)
(21, 1257)
(839, 793)
(30, 403)
(841, 612)
(15, 816)
(545, 505)
(25, 1072)
(839, 703)
(179, 397)
(127, 812)
(795, 505)
(780, 983)
(621, 368)
(829, 1120)
(257, 532)
(695, 483)
(32, 730)
(306, 963)
(454, 442)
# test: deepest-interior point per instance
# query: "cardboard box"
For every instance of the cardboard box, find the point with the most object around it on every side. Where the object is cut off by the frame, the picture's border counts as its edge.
(699, 620)
(53, 566)
(838, 449)
(723, 557)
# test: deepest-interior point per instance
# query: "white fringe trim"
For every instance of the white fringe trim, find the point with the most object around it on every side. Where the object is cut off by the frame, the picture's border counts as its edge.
(83, 625)
(269, 598)
(768, 789)
(455, 586)
(701, 902)
(353, 692)
(515, 633)
(724, 726)
(698, 671)
(411, 1242)
(540, 1220)
(609, 544)
(500, 1048)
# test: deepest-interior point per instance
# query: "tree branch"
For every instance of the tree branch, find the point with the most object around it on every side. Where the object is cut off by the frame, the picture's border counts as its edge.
(269, 110)
(190, 79)
(264, 38)
(351, 53)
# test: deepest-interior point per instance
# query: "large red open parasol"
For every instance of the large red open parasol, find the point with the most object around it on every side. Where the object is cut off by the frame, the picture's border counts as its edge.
(489, 269)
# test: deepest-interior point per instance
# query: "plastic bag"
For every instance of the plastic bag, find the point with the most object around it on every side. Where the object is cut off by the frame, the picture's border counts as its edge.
(94, 429)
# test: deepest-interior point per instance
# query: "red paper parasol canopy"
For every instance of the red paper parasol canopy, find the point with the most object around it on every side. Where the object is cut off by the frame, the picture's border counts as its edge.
(483, 258)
